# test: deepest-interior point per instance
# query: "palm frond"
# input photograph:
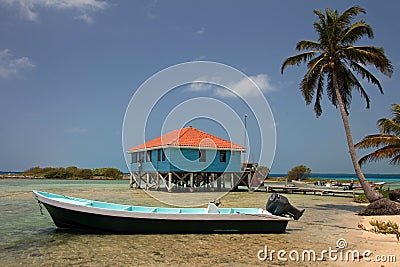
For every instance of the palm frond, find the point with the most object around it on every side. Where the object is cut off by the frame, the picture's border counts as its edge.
(357, 85)
(396, 113)
(370, 55)
(377, 140)
(346, 85)
(395, 159)
(355, 32)
(317, 104)
(382, 153)
(309, 81)
(366, 74)
(346, 17)
(330, 90)
(308, 44)
(320, 15)
(389, 126)
(298, 59)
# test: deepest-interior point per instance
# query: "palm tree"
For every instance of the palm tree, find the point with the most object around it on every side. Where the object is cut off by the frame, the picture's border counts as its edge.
(388, 141)
(333, 63)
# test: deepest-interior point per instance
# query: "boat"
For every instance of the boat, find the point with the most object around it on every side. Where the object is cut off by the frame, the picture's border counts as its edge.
(78, 213)
(302, 184)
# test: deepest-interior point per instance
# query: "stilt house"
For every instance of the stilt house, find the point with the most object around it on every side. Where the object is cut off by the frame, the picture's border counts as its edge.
(186, 158)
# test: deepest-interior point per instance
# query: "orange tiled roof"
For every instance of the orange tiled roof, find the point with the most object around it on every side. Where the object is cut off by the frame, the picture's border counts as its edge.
(188, 137)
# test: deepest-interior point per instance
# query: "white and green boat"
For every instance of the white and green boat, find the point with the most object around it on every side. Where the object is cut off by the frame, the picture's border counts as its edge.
(72, 212)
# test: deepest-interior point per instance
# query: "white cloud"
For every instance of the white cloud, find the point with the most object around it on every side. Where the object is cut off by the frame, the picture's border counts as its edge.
(201, 31)
(11, 66)
(245, 87)
(28, 8)
(204, 83)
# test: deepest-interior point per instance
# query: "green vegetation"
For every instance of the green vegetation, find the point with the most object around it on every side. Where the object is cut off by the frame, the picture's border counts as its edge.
(381, 189)
(381, 227)
(299, 172)
(72, 172)
(108, 172)
(334, 61)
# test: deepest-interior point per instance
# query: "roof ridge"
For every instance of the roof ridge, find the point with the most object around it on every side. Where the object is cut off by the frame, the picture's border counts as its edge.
(176, 140)
(221, 139)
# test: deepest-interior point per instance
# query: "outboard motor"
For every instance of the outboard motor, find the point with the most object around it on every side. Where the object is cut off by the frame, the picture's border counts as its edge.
(279, 205)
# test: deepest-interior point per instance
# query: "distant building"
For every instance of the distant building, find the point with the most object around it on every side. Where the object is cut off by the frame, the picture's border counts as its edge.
(185, 157)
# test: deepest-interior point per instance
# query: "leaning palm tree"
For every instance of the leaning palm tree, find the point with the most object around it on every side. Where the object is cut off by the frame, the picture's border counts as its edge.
(388, 142)
(333, 63)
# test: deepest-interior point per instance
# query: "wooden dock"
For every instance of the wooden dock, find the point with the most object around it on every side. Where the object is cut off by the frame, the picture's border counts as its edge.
(315, 190)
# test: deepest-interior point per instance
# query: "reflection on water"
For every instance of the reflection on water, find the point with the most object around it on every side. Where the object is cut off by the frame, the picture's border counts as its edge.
(30, 239)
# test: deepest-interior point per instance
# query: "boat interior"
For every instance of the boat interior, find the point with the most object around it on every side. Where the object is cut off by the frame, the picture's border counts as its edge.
(122, 207)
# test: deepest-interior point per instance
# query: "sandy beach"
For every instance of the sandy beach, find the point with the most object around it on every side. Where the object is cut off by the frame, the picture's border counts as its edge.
(31, 239)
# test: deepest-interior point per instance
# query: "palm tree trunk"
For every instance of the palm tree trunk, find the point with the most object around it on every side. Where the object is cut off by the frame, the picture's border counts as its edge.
(371, 194)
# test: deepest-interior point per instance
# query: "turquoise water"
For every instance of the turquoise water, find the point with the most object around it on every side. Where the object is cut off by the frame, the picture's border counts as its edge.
(387, 178)
(28, 238)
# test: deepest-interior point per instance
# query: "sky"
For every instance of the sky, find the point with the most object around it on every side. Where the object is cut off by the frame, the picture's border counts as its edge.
(69, 69)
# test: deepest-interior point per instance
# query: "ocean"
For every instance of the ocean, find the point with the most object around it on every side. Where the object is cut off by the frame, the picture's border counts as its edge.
(387, 178)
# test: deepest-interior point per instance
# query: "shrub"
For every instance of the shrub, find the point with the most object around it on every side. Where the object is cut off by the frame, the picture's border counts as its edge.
(84, 173)
(107, 172)
(60, 173)
(299, 172)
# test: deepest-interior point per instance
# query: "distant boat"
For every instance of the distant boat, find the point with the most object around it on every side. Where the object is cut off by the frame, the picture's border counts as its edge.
(302, 184)
(72, 212)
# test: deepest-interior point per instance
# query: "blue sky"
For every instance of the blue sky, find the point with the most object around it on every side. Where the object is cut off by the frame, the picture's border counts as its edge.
(68, 70)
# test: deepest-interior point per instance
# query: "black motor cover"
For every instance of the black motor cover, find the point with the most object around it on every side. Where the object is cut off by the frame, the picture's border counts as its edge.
(279, 205)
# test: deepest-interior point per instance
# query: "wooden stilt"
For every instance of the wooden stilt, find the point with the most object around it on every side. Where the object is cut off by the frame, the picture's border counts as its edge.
(131, 180)
(139, 180)
(147, 180)
(212, 181)
(191, 182)
(157, 180)
(249, 181)
(169, 181)
(219, 182)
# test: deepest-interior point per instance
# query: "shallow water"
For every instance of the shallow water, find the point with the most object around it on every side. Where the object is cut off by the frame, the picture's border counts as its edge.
(28, 238)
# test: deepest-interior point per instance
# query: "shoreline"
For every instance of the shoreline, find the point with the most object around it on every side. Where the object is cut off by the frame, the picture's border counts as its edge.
(28, 177)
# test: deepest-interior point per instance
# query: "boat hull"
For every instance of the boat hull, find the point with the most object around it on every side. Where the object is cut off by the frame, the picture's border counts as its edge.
(64, 218)
(131, 223)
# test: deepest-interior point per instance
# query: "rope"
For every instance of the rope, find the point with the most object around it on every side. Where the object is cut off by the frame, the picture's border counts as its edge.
(40, 207)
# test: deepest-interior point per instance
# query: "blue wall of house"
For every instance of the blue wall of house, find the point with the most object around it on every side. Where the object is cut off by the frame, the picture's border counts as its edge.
(187, 160)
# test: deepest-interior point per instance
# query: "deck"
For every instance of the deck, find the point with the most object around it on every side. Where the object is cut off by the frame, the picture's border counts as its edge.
(314, 190)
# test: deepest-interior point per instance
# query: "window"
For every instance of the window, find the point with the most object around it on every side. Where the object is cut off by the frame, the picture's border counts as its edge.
(134, 157)
(141, 156)
(148, 156)
(160, 155)
(222, 156)
(202, 155)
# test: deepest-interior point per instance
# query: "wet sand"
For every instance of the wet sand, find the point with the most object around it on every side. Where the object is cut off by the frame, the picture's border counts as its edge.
(326, 220)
